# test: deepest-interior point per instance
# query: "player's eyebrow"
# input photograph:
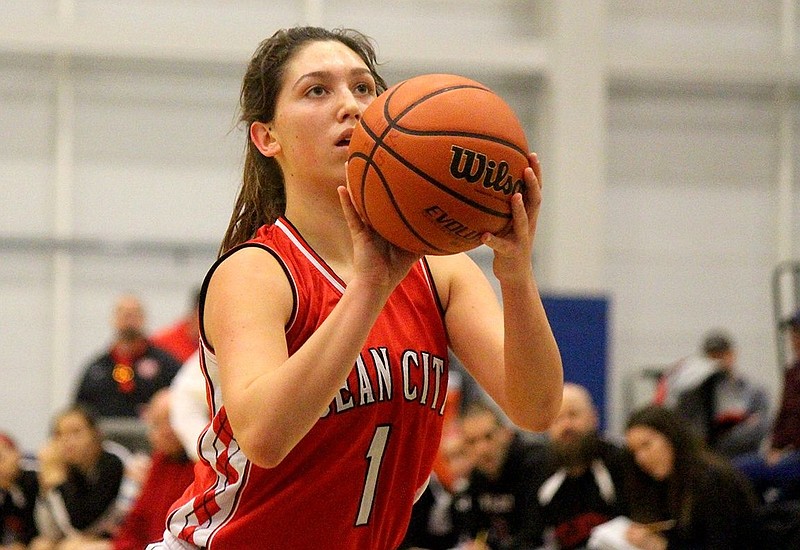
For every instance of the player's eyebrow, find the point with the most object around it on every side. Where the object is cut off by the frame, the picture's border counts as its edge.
(358, 71)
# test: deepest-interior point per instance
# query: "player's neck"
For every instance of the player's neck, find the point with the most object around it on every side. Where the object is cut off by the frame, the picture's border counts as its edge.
(323, 226)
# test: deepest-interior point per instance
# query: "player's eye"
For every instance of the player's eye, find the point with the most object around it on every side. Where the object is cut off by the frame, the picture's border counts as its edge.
(365, 88)
(316, 91)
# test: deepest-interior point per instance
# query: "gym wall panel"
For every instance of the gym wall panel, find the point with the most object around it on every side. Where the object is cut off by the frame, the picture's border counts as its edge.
(158, 153)
(27, 108)
(695, 27)
(691, 241)
(26, 340)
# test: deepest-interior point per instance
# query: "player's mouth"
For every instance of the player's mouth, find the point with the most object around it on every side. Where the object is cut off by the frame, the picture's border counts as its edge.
(344, 138)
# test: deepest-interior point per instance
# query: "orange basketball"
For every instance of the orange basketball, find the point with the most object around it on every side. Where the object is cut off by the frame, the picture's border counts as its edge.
(434, 162)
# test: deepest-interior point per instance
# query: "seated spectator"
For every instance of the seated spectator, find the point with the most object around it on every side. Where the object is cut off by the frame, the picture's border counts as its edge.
(431, 526)
(79, 481)
(18, 489)
(584, 475)
(171, 471)
(182, 338)
(775, 472)
(682, 376)
(681, 495)
(498, 507)
(728, 411)
(121, 380)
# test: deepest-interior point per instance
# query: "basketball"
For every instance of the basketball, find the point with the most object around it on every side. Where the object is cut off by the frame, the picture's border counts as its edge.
(434, 162)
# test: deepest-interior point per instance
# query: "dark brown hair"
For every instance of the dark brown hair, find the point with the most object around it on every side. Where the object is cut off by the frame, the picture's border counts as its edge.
(692, 458)
(262, 197)
(84, 411)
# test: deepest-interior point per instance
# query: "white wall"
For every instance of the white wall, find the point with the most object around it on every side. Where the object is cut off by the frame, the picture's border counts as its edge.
(668, 133)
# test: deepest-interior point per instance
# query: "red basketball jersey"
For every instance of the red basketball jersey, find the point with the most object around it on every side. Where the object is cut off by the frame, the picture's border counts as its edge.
(351, 481)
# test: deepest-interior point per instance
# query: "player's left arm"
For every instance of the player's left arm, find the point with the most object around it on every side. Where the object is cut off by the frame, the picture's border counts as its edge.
(509, 350)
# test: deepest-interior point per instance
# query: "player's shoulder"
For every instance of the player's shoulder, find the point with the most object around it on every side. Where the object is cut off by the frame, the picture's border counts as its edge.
(245, 275)
(247, 263)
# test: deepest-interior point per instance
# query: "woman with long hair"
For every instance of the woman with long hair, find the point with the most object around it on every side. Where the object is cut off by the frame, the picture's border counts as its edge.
(79, 481)
(330, 343)
(680, 494)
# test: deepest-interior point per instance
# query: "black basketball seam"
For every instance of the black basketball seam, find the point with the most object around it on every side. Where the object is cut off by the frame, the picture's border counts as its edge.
(370, 164)
(484, 137)
(380, 143)
(426, 97)
(393, 123)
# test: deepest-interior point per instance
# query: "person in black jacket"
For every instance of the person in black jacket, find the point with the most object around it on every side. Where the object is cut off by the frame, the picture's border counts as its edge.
(729, 411)
(121, 380)
(694, 497)
(498, 506)
(584, 477)
(79, 482)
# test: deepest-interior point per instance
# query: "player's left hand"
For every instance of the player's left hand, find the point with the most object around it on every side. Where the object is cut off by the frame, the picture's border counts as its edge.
(513, 251)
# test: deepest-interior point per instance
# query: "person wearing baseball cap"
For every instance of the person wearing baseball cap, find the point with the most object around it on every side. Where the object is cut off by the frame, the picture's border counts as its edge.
(730, 412)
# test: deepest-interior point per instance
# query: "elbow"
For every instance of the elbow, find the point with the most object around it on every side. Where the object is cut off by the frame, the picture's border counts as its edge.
(539, 416)
(532, 425)
(263, 451)
(264, 455)
(540, 424)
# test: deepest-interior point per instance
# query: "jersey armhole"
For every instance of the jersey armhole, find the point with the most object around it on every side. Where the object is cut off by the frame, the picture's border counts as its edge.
(426, 272)
(207, 280)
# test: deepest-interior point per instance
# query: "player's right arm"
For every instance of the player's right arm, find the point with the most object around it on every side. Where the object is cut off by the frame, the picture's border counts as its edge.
(273, 399)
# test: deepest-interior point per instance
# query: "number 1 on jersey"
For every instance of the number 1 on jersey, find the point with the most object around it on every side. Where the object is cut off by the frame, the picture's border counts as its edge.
(375, 458)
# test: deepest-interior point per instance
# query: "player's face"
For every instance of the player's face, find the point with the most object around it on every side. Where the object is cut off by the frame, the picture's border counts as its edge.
(652, 451)
(325, 89)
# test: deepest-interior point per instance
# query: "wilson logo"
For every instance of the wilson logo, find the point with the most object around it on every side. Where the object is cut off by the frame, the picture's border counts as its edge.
(474, 167)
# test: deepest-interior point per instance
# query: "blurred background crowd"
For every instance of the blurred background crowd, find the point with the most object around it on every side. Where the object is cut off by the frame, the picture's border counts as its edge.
(705, 463)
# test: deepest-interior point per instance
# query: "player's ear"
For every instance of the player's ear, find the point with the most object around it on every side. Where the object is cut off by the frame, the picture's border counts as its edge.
(262, 137)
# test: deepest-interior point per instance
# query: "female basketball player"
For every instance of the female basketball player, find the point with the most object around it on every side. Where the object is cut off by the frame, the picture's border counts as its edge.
(331, 344)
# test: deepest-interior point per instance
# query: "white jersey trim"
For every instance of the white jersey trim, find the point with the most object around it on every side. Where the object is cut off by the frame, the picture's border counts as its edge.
(311, 258)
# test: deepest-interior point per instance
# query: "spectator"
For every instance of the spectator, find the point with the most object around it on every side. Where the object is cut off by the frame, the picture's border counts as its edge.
(682, 376)
(498, 507)
(729, 412)
(122, 379)
(680, 494)
(171, 471)
(431, 526)
(181, 339)
(775, 473)
(18, 489)
(584, 476)
(79, 481)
